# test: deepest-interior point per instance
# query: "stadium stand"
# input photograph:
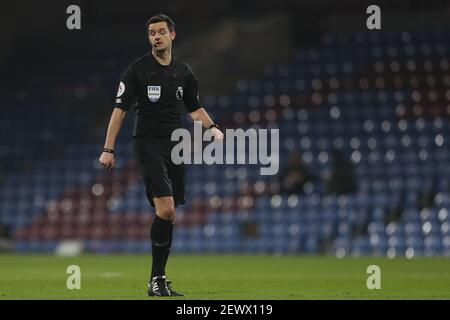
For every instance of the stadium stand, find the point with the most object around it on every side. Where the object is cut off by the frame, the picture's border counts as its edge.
(381, 98)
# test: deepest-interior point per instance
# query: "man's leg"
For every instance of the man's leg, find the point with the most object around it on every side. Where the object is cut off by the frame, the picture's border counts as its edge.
(170, 242)
(161, 234)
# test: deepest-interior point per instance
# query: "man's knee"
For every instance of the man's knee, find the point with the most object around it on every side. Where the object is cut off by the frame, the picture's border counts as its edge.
(167, 212)
(165, 209)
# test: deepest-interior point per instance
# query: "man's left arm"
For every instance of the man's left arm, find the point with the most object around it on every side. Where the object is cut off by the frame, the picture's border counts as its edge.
(192, 102)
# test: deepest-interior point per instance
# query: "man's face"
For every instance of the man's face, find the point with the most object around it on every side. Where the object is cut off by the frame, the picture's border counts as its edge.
(159, 36)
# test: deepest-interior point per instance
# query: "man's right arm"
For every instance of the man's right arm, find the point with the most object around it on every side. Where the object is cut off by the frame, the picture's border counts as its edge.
(126, 93)
(115, 123)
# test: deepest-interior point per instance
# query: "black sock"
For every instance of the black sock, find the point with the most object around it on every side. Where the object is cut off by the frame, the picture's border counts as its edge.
(166, 256)
(160, 235)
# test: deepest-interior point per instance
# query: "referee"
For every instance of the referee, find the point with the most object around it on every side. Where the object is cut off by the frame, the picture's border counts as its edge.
(157, 85)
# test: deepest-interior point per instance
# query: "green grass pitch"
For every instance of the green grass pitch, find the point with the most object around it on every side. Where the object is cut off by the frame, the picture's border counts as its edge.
(225, 277)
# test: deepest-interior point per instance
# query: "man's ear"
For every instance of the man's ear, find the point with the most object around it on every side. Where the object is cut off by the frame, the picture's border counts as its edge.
(172, 35)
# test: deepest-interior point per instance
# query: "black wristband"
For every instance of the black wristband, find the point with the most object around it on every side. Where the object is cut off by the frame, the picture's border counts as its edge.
(213, 125)
(108, 150)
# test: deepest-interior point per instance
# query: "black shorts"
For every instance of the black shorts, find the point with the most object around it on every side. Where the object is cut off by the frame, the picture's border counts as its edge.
(161, 176)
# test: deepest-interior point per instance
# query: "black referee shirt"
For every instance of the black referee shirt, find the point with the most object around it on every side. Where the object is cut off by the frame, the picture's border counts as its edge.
(157, 93)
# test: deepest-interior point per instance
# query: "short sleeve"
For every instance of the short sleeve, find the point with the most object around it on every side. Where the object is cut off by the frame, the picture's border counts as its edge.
(191, 97)
(127, 89)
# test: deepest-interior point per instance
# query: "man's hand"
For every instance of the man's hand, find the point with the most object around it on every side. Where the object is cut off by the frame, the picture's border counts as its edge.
(217, 134)
(107, 160)
(202, 116)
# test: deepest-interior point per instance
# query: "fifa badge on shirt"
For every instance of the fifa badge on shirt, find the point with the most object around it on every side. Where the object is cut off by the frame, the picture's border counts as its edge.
(153, 93)
(179, 93)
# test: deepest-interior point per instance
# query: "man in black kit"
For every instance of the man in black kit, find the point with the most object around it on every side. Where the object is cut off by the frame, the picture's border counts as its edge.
(156, 86)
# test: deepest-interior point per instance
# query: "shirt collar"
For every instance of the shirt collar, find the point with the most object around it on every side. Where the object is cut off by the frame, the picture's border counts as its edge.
(156, 62)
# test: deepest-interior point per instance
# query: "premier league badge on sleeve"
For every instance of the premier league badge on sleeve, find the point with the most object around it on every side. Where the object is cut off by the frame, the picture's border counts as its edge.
(179, 93)
(121, 89)
(153, 93)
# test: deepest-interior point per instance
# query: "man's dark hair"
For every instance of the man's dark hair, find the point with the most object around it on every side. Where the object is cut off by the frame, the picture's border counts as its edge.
(160, 18)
